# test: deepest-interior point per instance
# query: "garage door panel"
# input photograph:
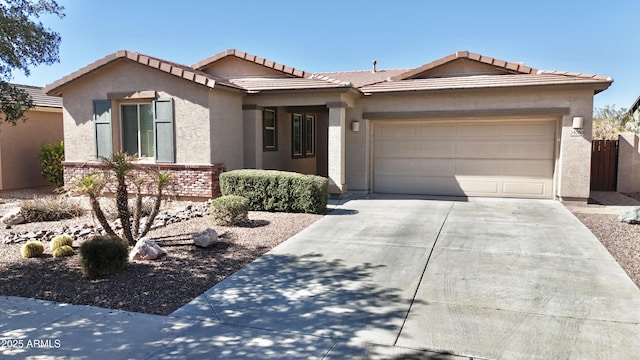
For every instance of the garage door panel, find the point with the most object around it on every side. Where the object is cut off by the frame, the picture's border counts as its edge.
(479, 150)
(436, 149)
(397, 167)
(395, 149)
(529, 130)
(524, 188)
(435, 167)
(513, 159)
(470, 185)
(527, 168)
(436, 131)
(467, 167)
(528, 150)
(402, 131)
(489, 130)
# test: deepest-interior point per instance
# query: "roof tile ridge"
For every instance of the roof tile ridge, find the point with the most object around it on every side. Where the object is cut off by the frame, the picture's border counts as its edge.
(253, 59)
(575, 74)
(363, 70)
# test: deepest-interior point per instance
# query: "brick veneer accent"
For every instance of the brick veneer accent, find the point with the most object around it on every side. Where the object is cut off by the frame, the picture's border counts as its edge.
(194, 181)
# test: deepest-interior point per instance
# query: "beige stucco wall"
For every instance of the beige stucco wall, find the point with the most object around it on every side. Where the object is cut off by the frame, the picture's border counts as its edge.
(226, 129)
(573, 154)
(20, 145)
(191, 102)
(628, 163)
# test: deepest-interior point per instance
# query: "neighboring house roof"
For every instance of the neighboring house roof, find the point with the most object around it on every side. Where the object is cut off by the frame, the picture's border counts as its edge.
(40, 98)
(250, 58)
(179, 70)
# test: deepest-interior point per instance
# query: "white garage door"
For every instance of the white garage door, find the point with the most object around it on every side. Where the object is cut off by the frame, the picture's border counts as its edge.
(480, 158)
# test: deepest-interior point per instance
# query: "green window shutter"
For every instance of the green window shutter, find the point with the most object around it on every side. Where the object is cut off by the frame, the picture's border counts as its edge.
(163, 130)
(102, 124)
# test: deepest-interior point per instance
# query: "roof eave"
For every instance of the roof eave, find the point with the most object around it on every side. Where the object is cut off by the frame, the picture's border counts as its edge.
(180, 71)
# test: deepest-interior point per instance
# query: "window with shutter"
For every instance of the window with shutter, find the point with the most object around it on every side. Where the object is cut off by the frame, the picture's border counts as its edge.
(163, 130)
(102, 128)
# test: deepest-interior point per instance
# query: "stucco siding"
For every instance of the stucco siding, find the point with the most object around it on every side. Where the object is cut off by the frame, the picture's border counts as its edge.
(226, 130)
(191, 114)
(21, 144)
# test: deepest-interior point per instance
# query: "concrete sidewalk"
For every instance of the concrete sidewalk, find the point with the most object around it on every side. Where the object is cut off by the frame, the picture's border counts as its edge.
(381, 278)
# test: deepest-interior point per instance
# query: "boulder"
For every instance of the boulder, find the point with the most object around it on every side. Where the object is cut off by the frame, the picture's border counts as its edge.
(13, 217)
(146, 249)
(206, 238)
(631, 216)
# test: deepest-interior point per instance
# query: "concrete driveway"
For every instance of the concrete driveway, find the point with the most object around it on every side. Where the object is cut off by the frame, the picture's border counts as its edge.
(481, 278)
(379, 278)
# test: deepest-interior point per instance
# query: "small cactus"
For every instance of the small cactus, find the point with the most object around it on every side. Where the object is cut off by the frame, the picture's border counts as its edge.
(64, 250)
(61, 240)
(32, 249)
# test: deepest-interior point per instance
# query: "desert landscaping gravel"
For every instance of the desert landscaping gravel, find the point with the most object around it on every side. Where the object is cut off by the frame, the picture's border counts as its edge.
(154, 287)
(621, 239)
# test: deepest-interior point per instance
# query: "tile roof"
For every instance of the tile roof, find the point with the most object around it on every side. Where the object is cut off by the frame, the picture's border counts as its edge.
(250, 58)
(179, 70)
(360, 77)
(510, 67)
(40, 98)
(254, 85)
(487, 81)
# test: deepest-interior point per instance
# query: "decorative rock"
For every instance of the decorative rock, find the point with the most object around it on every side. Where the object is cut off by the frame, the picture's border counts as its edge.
(146, 249)
(13, 217)
(631, 216)
(206, 238)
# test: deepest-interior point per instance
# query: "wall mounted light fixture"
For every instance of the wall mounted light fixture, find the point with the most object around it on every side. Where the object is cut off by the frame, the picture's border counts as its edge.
(578, 122)
(355, 126)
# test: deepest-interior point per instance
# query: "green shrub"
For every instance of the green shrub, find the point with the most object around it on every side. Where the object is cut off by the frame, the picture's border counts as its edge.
(64, 250)
(101, 256)
(32, 249)
(230, 210)
(51, 157)
(61, 240)
(270, 190)
(50, 209)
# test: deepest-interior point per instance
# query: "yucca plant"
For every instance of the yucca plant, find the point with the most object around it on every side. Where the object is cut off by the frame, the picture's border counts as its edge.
(93, 185)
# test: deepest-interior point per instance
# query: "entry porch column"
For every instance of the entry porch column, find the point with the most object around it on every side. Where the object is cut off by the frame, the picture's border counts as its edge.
(336, 150)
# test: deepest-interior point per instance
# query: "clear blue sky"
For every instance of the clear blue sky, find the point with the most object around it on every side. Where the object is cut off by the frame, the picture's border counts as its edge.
(587, 36)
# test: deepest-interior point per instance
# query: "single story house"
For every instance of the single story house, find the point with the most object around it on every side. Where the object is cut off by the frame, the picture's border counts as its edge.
(20, 144)
(465, 124)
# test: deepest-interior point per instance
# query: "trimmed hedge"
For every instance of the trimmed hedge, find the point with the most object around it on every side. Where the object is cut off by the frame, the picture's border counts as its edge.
(272, 190)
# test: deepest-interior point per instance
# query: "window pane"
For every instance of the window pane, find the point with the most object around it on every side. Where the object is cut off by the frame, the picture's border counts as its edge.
(309, 135)
(130, 129)
(296, 135)
(269, 135)
(146, 131)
